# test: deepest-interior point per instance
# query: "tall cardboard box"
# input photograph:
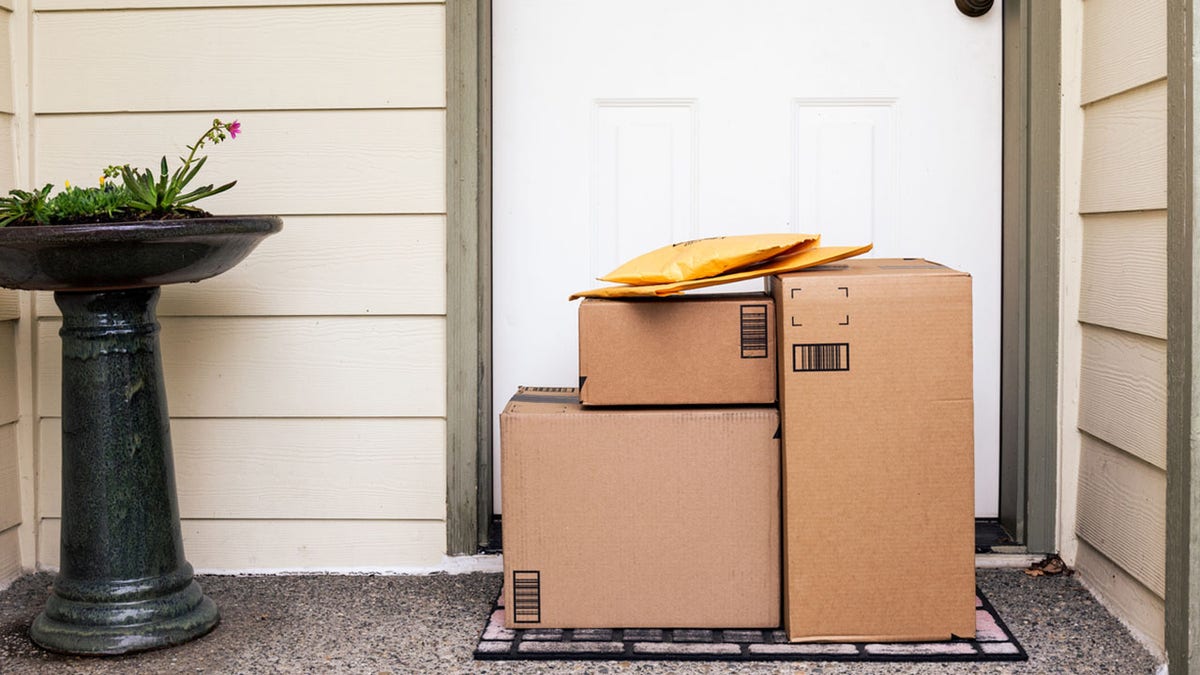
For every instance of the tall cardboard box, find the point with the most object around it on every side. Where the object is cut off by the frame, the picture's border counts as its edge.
(878, 451)
(645, 518)
(694, 349)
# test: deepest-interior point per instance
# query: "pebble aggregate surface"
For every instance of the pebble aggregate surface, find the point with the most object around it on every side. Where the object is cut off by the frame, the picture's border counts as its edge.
(393, 625)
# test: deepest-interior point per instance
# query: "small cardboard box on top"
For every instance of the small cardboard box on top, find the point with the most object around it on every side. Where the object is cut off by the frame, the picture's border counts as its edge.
(875, 380)
(639, 518)
(707, 349)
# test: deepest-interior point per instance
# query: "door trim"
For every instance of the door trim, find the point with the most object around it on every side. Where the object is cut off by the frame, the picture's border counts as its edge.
(1030, 267)
(1029, 309)
(468, 275)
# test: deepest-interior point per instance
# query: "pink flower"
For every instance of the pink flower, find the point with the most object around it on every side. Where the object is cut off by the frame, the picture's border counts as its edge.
(235, 128)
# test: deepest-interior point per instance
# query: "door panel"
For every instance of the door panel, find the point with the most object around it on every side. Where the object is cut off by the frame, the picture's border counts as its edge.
(621, 126)
(643, 169)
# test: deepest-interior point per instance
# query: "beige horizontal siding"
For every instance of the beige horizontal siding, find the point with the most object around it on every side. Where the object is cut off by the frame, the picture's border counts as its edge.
(9, 402)
(307, 385)
(1124, 45)
(51, 5)
(6, 64)
(1125, 596)
(8, 160)
(10, 479)
(10, 482)
(323, 265)
(311, 57)
(1124, 277)
(291, 468)
(1123, 392)
(1121, 350)
(294, 544)
(286, 367)
(1122, 511)
(291, 162)
(1125, 152)
(10, 492)
(9, 307)
(10, 557)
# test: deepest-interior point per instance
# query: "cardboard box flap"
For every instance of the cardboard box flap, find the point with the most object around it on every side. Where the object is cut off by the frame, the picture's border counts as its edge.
(867, 267)
(564, 401)
(543, 399)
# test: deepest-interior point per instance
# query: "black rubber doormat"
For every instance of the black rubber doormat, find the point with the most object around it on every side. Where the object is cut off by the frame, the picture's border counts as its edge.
(993, 642)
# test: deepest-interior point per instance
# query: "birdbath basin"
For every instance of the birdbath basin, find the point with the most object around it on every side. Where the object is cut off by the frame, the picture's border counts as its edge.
(123, 584)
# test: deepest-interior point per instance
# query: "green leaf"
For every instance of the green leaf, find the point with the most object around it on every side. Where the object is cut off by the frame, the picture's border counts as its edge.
(160, 202)
(201, 193)
(140, 186)
(192, 174)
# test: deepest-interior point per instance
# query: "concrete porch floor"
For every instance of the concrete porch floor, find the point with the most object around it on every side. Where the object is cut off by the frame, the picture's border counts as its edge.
(430, 624)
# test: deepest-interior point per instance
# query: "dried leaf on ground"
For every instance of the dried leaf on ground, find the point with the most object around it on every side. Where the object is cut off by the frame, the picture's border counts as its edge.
(1049, 566)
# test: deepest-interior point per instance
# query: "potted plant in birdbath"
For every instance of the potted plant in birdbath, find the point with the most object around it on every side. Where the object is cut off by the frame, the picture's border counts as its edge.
(123, 584)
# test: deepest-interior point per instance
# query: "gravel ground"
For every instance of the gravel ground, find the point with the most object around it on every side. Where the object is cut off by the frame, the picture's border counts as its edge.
(429, 624)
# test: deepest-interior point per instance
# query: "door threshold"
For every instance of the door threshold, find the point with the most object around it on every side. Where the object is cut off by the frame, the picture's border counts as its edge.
(996, 547)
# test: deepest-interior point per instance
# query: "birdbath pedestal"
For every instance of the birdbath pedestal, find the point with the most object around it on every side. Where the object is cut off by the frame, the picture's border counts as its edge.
(123, 584)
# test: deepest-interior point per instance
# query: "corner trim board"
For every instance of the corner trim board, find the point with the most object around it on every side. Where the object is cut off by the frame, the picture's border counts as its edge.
(1183, 340)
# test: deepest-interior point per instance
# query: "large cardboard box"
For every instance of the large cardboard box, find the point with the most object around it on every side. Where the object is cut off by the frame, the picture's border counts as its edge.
(876, 397)
(701, 349)
(643, 518)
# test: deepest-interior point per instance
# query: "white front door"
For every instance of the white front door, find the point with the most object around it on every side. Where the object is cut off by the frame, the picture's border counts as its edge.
(623, 125)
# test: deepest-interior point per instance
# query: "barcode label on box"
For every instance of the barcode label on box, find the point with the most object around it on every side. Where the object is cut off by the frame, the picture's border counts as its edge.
(527, 596)
(754, 331)
(825, 357)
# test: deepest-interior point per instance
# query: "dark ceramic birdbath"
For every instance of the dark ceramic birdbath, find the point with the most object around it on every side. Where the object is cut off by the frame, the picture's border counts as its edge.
(123, 583)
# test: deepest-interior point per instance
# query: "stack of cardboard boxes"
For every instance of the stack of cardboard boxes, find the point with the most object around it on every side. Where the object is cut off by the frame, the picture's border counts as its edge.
(803, 459)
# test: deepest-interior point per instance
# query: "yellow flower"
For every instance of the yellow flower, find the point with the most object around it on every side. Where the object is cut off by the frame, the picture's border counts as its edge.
(102, 180)
(67, 183)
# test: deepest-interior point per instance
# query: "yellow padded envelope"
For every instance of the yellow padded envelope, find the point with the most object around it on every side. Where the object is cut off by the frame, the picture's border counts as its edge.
(785, 263)
(703, 258)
